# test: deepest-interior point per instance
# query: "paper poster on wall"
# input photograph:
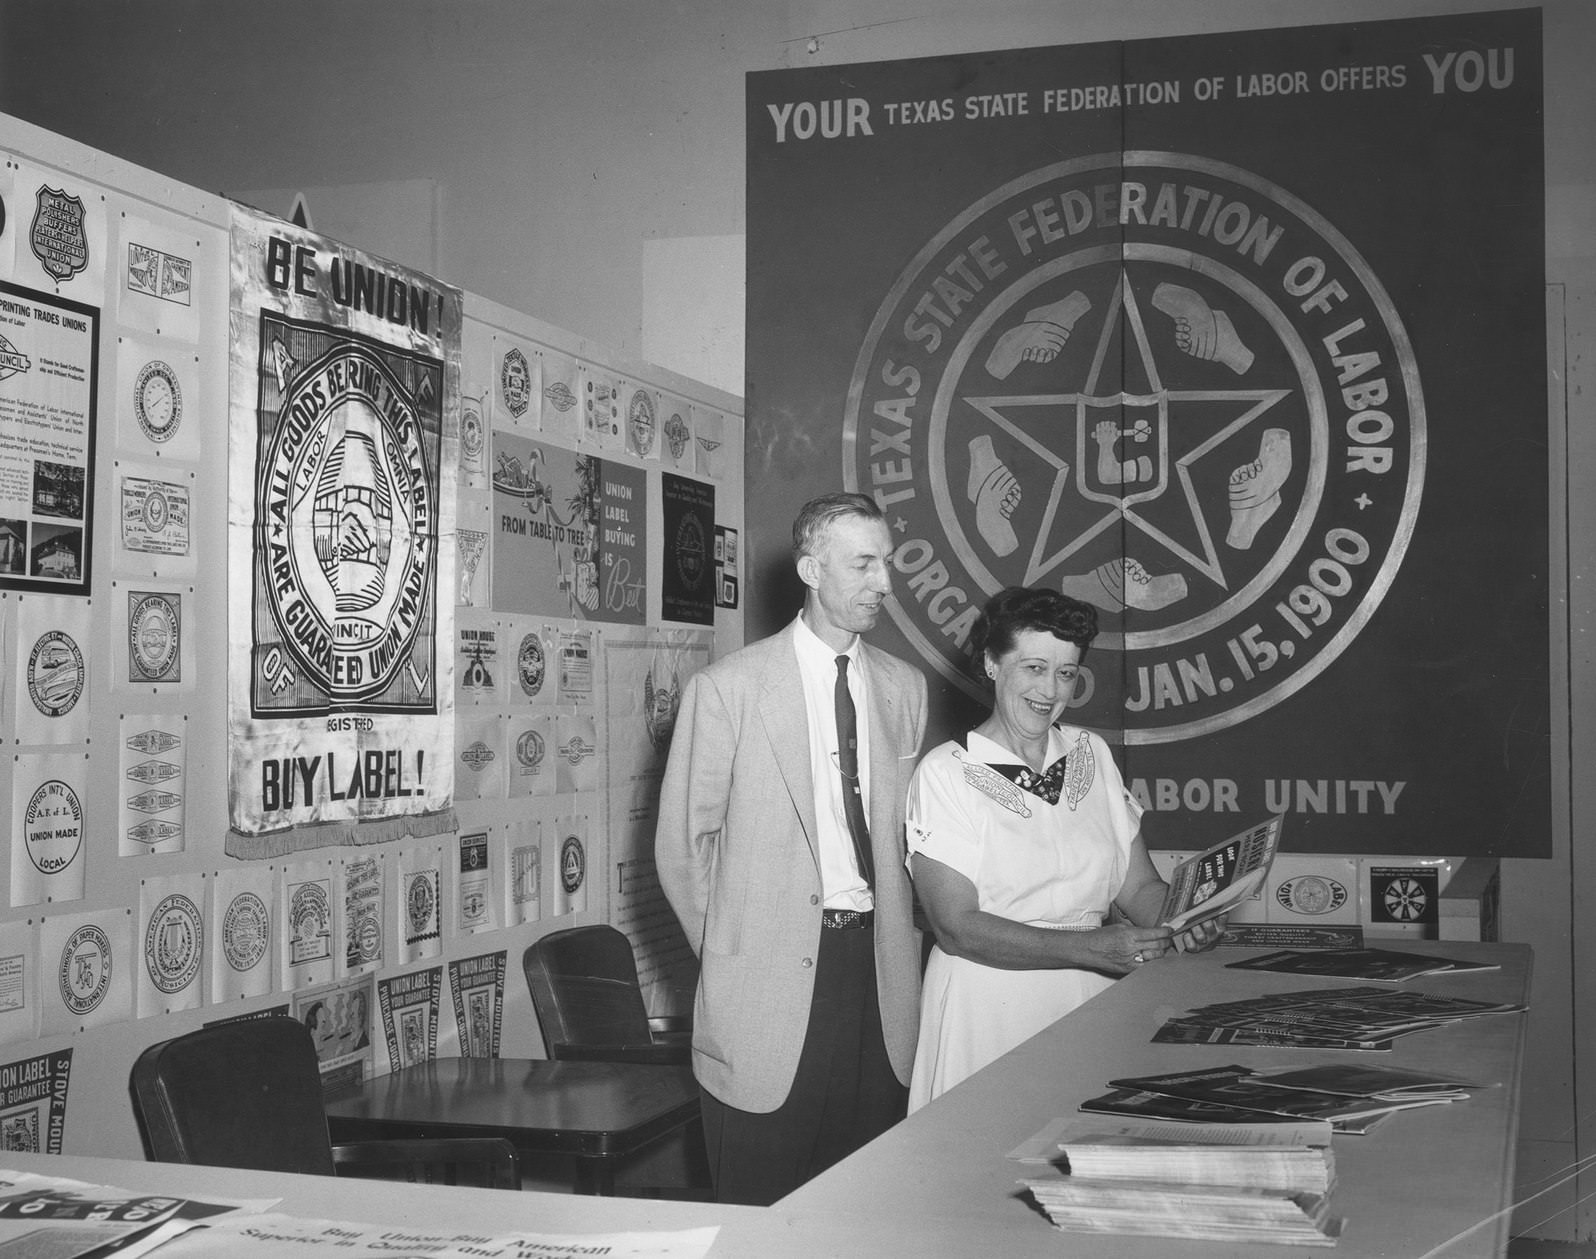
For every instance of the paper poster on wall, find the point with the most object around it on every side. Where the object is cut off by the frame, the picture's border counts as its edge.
(338, 1017)
(479, 755)
(576, 759)
(160, 270)
(244, 931)
(86, 966)
(644, 676)
(569, 848)
(530, 646)
(310, 934)
(709, 441)
(19, 996)
(575, 667)
(152, 784)
(157, 399)
(621, 508)
(517, 383)
(478, 374)
(687, 592)
(559, 399)
(33, 1102)
(473, 467)
(49, 386)
(8, 229)
(676, 434)
(419, 905)
(61, 234)
(543, 534)
(475, 906)
(172, 932)
(409, 1004)
(477, 986)
(152, 638)
(341, 552)
(478, 672)
(1135, 341)
(49, 826)
(523, 863)
(52, 662)
(473, 534)
(601, 408)
(154, 513)
(642, 420)
(529, 767)
(364, 883)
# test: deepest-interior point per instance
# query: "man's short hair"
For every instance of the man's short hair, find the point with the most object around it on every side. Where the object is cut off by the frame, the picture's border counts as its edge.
(816, 517)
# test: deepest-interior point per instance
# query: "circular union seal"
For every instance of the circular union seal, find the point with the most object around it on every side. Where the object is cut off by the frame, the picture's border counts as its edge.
(56, 673)
(1167, 387)
(246, 928)
(1311, 894)
(573, 863)
(529, 749)
(349, 573)
(515, 382)
(641, 420)
(157, 510)
(692, 551)
(52, 825)
(676, 436)
(173, 943)
(85, 973)
(153, 636)
(158, 401)
(471, 434)
(420, 901)
(531, 665)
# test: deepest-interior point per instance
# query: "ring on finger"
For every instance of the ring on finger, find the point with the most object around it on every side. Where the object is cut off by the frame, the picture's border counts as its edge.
(1138, 959)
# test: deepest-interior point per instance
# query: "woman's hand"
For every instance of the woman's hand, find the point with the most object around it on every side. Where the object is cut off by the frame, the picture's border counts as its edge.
(1203, 936)
(1122, 947)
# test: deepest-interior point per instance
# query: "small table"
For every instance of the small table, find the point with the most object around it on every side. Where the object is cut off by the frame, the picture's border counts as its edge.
(598, 1111)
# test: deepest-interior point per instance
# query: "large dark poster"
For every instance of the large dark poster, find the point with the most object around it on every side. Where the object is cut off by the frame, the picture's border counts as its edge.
(1240, 338)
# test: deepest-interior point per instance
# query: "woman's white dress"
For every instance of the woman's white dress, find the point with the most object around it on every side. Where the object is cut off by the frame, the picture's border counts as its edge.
(1051, 865)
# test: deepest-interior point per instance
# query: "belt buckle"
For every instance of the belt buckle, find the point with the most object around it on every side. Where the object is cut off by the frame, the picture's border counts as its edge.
(845, 919)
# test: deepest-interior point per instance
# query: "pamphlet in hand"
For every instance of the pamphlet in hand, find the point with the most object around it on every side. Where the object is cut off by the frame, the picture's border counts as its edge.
(1218, 879)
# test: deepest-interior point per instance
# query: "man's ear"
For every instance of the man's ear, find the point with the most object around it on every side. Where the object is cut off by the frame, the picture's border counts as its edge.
(809, 571)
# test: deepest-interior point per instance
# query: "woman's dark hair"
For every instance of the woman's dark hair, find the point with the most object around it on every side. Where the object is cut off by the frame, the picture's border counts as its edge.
(1011, 612)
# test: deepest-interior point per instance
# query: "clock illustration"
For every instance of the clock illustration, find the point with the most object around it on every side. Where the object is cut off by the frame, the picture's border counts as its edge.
(158, 401)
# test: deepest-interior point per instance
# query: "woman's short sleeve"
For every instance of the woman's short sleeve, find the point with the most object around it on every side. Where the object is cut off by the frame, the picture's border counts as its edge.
(940, 823)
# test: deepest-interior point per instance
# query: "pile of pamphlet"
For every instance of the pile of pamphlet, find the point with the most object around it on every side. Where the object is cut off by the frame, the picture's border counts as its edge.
(1211, 1190)
(1352, 1098)
(1323, 1018)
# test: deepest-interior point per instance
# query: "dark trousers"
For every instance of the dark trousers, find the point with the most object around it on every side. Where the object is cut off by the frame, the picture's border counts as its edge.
(844, 1094)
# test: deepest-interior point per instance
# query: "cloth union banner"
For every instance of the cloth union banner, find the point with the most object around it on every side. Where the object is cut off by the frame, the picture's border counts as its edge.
(1241, 340)
(343, 437)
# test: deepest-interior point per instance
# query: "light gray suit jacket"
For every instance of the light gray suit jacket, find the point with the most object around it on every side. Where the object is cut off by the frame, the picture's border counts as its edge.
(737, 856)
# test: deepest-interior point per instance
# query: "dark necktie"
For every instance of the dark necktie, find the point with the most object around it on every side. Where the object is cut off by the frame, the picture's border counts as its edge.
(848, 762)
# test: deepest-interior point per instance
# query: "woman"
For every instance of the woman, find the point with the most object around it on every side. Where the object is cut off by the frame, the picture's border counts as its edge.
(1020, 838)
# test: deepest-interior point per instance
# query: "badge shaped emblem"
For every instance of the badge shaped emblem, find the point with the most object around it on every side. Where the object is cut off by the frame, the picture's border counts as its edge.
(1166, 387)
(58, 237)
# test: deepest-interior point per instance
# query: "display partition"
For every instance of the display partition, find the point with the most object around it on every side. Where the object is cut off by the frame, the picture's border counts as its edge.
(343, 618)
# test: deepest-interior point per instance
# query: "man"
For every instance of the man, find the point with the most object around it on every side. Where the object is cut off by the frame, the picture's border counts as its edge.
(809, 980)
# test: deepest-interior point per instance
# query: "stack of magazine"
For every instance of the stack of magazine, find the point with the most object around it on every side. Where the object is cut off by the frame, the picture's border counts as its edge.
(1350, 1097)
(1384, 965)
(1268, 1189)
(1323, 1018)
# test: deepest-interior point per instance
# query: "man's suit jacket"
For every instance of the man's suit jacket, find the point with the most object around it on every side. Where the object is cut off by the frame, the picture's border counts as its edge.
(737, 857)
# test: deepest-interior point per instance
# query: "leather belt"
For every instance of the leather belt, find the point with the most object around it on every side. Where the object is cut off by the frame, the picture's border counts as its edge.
(846, 919)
